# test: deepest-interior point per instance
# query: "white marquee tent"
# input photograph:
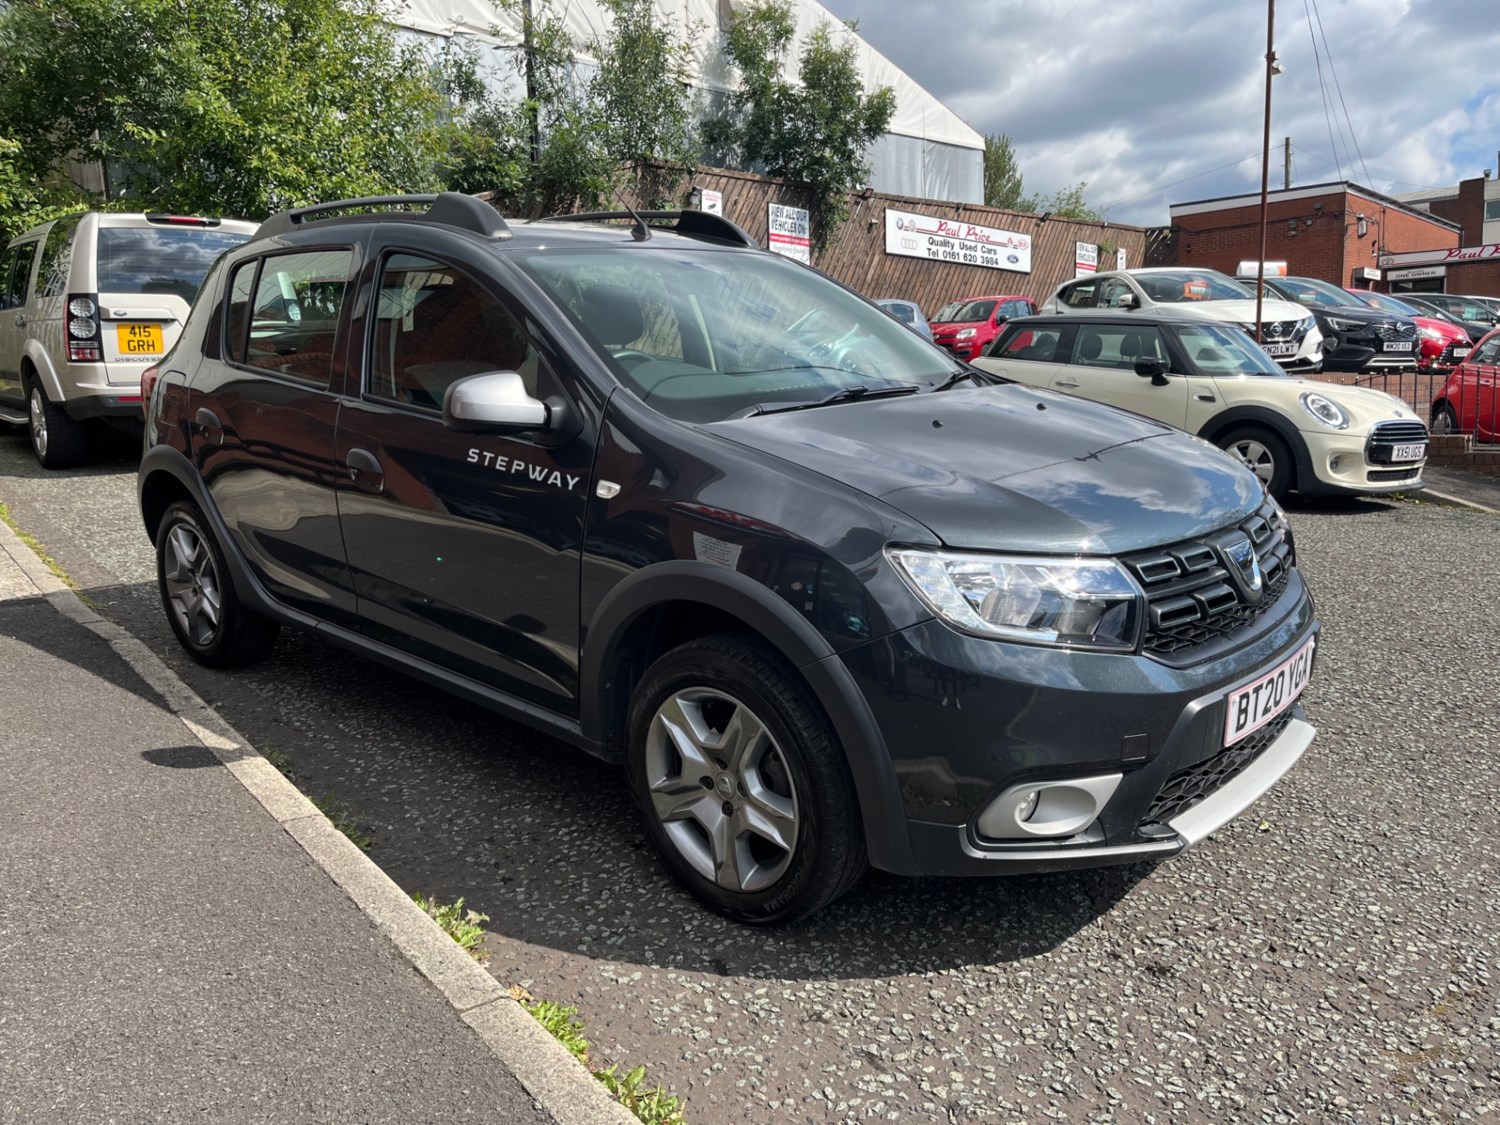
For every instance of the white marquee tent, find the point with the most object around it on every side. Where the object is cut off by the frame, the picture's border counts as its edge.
(928, 152)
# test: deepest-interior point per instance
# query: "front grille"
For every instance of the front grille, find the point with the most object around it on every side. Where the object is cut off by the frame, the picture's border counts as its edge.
(1191, 595)
(1376, 475)
(1385, 435)
(1396, 330)
(1193, 783)
(1282, 331)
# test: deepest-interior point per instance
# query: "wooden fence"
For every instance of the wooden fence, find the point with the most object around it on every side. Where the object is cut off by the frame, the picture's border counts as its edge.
(856, 256)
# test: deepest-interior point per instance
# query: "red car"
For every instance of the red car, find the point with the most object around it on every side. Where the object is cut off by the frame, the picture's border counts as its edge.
(965, 326)
(1442, 343)
(1468, 402)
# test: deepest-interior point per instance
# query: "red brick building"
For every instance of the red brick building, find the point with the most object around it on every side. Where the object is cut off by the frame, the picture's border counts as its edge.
(1334, 231)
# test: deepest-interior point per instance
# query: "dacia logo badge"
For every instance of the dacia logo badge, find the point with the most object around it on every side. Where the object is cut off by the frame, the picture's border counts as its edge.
(1246, 566)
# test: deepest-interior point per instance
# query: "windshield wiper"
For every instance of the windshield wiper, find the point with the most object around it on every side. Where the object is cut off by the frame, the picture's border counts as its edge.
(980, 378)
(845, 394)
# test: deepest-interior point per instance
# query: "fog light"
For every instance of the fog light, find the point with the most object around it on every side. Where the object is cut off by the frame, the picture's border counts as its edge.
(1047, 809)
(1333, 464)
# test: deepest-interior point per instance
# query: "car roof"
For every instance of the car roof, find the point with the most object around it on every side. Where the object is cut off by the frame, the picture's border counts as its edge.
(1107, 316)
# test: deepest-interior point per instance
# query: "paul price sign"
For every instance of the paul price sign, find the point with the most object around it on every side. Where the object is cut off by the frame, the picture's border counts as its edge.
(963, 244)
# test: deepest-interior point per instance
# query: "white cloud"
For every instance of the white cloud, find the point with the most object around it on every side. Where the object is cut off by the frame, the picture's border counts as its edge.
(1131, 96)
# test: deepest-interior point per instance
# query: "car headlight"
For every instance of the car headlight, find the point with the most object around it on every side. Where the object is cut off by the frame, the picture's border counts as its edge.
(964, 333)
(1429, 333)
(1325, 410)
(1339, 324)
(1073, 602)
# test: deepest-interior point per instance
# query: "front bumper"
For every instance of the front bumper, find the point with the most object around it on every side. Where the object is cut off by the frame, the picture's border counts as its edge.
(1341, 465)
(966, 718)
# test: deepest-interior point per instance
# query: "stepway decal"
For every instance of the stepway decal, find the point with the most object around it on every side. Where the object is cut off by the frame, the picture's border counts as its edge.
(949, 240)
(539, 473)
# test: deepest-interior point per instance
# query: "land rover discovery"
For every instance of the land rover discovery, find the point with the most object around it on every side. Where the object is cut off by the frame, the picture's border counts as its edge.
(830, 596)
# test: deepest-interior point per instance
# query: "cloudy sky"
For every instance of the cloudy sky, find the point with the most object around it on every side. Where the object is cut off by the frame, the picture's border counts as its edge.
(1135, 95)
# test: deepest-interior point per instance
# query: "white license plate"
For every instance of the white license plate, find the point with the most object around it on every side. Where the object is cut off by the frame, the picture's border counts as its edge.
(1256, 704)
(1413, 452)
(1280, 349)
(1459, 353)
(1398, 345)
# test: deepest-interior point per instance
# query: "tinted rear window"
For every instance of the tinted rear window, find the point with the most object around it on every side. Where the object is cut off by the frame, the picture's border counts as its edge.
(166, 260)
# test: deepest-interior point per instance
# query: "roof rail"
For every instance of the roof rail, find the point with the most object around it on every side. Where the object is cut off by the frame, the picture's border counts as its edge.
(695, 224)
(450, 208)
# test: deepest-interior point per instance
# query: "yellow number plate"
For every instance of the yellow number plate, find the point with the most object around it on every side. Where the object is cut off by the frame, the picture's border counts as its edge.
(139, 339)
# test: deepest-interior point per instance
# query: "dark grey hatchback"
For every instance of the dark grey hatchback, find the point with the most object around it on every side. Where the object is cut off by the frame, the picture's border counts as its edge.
(832, 597)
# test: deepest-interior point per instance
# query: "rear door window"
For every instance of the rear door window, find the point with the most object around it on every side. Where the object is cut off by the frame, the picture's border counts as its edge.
(7, 264)
(165, 260)
(294, 314)
(57, 259)
(20, 274)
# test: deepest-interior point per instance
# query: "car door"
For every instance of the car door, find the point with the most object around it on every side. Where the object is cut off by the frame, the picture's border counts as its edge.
(465, 547)
(1102, 369)
(15, 278)
(1481, 390)
(262, 410)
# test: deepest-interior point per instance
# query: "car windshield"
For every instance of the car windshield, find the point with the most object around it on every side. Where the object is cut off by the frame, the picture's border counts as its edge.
(1174, 286)
(964, 312)
(1386, 303)
(1218, 349)
(705, 335)
(171, 260)
(1311, 291)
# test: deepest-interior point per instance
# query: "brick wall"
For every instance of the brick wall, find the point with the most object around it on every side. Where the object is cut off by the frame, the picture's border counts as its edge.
(1316, 236)
(1467, 210)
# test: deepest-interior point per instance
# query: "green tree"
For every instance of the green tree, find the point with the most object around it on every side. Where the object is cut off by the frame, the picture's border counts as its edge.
(815, 132)
(1003, 183)
(1068, 203)
(220, 105)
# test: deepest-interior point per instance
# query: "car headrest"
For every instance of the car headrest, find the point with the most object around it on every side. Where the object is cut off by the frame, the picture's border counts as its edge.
(612, 313)
(1089, 346)
(1130, 344)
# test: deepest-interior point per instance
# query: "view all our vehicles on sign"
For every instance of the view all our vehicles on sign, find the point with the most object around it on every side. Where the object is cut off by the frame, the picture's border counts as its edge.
(1255, 705)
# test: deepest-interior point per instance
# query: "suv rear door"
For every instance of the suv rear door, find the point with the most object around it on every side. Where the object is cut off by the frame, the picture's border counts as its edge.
(15, 276)
(465, 547)
(147, 274)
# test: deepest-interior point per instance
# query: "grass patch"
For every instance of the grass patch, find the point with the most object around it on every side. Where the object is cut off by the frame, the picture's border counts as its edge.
(463, 926)
(41, 552)
(651, 1104)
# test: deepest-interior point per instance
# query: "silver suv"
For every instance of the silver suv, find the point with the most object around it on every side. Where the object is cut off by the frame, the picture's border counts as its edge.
(88, 302)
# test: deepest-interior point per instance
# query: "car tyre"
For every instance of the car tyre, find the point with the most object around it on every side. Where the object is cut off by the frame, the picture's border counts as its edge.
(57, 440)
(743, 787)
(1444, 419)
(198, 595)
(1265, 454)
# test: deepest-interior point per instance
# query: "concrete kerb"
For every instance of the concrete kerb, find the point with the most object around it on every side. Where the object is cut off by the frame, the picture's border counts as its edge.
(1430, 495)
(558, 1082)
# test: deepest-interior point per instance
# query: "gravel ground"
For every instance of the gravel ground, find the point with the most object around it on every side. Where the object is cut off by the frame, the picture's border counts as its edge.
(1329, 957)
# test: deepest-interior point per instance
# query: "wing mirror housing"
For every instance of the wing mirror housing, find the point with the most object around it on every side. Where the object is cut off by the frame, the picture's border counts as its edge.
(1153, 369)
(1127, 300)
(493, 400)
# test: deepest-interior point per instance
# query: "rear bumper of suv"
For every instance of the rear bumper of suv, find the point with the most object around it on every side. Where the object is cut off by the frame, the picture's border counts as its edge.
(967, 719)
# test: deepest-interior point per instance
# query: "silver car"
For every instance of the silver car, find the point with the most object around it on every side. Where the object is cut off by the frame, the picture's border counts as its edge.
(1289, 333)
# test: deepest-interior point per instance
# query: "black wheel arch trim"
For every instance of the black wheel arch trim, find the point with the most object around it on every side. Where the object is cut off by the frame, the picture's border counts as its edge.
(798, 642)
(1260, 416)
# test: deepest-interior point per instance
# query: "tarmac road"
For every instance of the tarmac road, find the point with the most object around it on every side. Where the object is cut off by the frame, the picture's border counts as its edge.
(1329, 957)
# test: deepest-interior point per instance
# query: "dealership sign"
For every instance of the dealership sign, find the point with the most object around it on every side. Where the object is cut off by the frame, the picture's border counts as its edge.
(949, 240)
(1418, 273)
(1120, 258)
(1490, 251)
(789, 232)
(1085, 258)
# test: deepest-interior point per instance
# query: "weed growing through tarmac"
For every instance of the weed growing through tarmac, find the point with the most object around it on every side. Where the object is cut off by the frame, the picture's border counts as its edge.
(339, 818)
(463, 926)
(41, 552)
(652, 1104)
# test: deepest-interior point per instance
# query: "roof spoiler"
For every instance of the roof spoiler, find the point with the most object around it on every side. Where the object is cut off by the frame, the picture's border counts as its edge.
(694, 224)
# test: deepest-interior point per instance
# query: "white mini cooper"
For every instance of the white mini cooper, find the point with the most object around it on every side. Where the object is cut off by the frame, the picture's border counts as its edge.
(1211, 380)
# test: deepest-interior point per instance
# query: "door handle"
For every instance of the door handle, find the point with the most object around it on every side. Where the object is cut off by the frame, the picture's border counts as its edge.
(20, 322)
(1205, 398)
(1068, 383)
(365, 470)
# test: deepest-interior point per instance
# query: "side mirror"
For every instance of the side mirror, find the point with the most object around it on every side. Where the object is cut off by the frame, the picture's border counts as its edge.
(495, 400)
(1127, 300)
(1153, 369)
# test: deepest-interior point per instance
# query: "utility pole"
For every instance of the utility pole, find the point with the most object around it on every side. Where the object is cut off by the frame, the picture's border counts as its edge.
(1265, 165)
(1286, 178)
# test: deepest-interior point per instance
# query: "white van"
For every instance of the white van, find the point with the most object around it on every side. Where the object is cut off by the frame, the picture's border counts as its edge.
(88, 302)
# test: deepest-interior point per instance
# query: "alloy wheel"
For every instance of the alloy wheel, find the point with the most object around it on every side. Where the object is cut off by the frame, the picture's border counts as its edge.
(38, 410)
(1256, 456)
(192, 584)
(720, 786)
